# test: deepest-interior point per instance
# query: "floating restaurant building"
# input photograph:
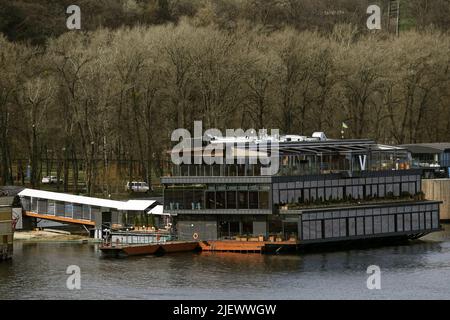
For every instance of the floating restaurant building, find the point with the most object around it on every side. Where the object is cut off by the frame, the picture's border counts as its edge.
(324, 191)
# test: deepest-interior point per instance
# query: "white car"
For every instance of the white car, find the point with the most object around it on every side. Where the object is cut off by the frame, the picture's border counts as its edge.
(137, 186)
(50, 179)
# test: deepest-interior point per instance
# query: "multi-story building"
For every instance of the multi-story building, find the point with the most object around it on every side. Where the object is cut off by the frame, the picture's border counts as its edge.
(324, 191)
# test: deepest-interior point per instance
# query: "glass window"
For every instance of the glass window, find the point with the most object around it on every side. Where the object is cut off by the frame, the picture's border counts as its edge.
(313, 194)
(184, 170)
(234, 228)
(298, 195)
(291, 196)
(220, 200)
(264, 199)
(283, 196)
(381, 190)
(216, 170)
(210, 200)
(249, 170)
(199, 198)
(275, 226)
(306, 195)
(188, 199)
(243, 199)
(241, 170)
(276, 196)
(231, 199)
(247, 227)
(253, 199)
(321, 194)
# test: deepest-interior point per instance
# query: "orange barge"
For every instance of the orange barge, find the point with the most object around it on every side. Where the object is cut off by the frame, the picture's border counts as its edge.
(125, 250)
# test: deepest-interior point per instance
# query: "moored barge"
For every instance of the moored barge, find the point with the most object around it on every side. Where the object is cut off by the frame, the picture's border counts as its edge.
(135, 243)
(126, 250)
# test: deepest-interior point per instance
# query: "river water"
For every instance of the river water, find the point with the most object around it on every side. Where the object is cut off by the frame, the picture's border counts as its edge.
(418, 270)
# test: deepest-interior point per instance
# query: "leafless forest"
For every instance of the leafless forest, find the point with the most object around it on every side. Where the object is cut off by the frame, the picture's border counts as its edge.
(96, 107)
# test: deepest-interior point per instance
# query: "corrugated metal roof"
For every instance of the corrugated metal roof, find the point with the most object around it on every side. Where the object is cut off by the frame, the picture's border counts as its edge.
(130, 205)
(387, 147)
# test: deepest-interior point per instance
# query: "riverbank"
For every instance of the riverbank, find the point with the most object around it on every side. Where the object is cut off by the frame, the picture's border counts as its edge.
(49, 236)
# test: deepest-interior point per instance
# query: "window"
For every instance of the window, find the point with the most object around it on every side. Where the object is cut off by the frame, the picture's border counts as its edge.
(253, 199)
(188, 199)
(198, 198)
(231, 199)
(247, 227)
(243, 199)
(220, 200)
(210, 200)
(264, 199)
(283, 196)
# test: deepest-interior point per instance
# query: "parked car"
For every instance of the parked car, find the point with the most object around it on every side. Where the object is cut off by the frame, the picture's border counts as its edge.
(137, 186)
(50, 180)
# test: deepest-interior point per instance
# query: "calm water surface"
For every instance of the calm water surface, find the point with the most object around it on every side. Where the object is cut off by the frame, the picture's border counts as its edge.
(418, 270)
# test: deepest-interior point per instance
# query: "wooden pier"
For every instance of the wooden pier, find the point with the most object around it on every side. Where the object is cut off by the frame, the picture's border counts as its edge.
(248, 246)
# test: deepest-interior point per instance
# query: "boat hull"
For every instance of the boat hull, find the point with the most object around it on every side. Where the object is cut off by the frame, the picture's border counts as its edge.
(147, 249)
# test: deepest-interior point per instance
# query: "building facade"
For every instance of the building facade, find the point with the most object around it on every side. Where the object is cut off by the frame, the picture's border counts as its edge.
(433, 158)
(324, 190)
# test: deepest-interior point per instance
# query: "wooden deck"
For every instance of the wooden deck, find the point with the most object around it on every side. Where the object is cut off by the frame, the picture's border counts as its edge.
(245, 246)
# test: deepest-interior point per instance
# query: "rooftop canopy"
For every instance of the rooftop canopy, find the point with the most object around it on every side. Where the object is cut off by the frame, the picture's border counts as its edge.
(328, 146)
(431, 148)
(150, 206)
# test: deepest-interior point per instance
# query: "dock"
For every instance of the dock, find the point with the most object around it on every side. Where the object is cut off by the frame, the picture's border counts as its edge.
(248, 246)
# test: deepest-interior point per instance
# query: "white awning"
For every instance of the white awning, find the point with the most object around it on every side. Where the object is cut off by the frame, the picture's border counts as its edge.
(136, 205)
(130, 205)
(64, 197)
(159, 210)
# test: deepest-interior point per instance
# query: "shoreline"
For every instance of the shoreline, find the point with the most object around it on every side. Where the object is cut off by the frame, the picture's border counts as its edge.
(49, 236)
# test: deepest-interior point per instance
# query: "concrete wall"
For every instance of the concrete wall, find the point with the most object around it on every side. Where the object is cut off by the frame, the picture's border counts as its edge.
(438, 189)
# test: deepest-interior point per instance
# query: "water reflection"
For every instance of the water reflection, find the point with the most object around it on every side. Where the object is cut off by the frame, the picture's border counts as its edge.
(419, 269)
